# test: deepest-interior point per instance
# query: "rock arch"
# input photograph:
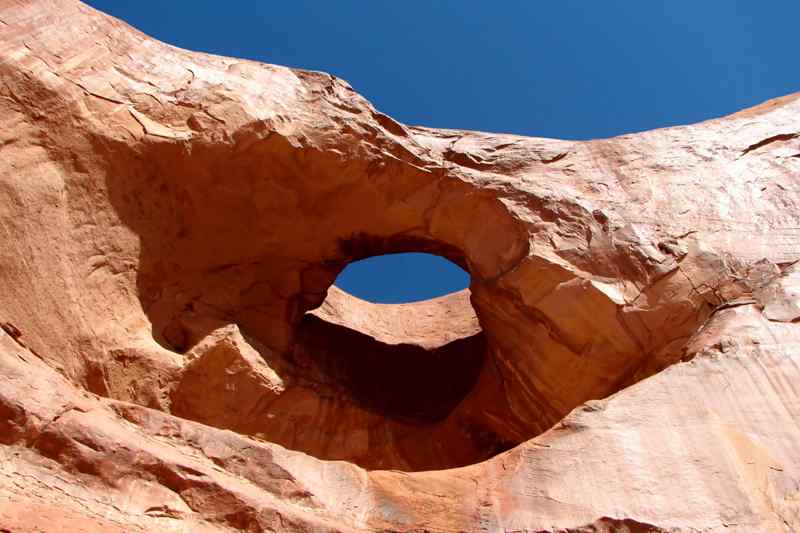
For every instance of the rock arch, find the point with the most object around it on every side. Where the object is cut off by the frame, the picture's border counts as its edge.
(169, 219)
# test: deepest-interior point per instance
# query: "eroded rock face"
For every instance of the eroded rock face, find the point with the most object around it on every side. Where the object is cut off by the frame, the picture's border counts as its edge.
(174, 356)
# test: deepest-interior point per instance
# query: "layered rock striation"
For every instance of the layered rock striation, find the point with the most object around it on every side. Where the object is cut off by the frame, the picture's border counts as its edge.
(174, 356)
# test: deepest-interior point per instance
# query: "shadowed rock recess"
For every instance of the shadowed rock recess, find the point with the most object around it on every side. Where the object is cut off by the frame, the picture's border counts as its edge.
(174, 357)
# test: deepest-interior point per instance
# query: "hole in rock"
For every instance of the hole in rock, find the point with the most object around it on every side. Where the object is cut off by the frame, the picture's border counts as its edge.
(384, 385)
(411, 350)
(423, 385)
(399, 378)
(402, 278)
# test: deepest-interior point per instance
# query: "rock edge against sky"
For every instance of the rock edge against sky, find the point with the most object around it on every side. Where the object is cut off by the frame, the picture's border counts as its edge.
(173, 356)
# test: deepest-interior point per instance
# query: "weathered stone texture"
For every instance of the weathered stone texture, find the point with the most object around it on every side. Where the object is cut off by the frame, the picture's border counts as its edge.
(174, 357)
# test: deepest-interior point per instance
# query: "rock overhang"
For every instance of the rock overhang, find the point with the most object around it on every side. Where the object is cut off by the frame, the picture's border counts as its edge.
(170, 186)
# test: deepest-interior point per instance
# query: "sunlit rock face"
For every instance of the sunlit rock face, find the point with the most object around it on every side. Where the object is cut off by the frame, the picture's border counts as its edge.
(174, 357)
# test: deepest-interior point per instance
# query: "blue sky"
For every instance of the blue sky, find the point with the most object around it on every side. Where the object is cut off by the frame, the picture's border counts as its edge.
(569, 69)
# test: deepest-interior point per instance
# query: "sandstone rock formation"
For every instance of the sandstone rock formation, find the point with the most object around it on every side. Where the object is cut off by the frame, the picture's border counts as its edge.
(174, 357)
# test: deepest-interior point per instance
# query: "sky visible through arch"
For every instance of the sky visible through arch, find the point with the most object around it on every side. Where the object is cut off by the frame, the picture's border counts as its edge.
(571, 69)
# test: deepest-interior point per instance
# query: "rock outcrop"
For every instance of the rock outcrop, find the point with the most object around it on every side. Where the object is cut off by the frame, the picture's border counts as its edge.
(173, 355)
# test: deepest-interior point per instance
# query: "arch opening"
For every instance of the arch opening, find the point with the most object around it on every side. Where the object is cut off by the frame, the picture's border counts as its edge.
(383, 385)
(404, 277)
(425, 385)
(402, 375)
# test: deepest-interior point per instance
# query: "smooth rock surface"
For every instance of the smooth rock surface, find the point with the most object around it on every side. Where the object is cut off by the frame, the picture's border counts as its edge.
(173, 355)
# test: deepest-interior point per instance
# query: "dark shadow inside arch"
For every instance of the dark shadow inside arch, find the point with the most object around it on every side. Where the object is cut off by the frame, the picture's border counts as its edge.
(406, 382)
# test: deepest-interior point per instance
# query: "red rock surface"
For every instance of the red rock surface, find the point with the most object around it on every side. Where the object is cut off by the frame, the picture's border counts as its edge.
(173, 356)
